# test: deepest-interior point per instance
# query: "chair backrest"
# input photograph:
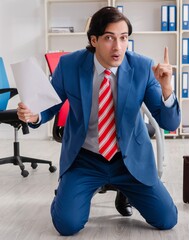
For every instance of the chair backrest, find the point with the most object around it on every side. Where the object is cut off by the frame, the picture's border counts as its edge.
(4, 97)
(52, 59)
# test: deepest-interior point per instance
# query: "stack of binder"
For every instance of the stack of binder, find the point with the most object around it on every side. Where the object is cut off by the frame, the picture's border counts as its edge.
(168, 18)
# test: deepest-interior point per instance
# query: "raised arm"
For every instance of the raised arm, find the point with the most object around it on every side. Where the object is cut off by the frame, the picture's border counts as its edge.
(163, 73)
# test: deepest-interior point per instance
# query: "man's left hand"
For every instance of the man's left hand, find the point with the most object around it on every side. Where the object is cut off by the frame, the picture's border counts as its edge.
(163, 73)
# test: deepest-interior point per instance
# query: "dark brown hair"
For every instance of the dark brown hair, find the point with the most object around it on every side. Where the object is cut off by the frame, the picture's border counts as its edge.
(100, 21)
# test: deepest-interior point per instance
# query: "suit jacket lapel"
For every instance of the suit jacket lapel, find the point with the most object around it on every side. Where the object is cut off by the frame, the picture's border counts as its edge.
(86, 86)
(125, 77)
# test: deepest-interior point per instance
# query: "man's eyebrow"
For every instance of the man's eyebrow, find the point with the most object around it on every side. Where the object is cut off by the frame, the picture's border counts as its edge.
(114, 33)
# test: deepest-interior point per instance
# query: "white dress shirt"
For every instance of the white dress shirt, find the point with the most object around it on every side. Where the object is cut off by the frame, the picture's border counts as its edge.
(91, 141)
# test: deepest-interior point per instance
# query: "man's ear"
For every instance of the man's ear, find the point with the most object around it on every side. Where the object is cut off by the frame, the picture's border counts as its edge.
(93, 40)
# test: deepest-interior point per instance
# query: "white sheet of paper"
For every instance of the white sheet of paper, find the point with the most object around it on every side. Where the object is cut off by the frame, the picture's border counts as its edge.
(34, 88)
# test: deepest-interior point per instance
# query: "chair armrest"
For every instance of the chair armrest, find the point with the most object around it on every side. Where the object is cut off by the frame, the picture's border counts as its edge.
(159, 140)
(13, 91)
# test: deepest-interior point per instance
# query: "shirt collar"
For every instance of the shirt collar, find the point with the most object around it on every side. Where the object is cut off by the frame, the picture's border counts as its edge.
(100, 69)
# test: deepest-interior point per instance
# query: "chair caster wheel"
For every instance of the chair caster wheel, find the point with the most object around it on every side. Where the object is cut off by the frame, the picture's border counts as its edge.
(52, 169)
(34, 165)
(24, 173)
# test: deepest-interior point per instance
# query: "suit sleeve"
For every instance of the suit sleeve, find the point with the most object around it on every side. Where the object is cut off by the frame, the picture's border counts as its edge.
(168, 118)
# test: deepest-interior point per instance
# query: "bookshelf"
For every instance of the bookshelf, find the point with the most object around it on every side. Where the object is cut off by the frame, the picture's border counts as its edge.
(65, 14)
(147, 36)
(184, 68)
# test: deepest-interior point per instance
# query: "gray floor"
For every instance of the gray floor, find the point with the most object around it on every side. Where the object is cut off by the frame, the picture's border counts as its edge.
(25, 202)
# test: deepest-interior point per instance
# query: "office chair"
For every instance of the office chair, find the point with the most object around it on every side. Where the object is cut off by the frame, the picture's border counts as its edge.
(10, 117)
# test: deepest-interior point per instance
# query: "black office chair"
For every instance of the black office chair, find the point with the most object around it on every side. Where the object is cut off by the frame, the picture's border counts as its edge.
(10, 117)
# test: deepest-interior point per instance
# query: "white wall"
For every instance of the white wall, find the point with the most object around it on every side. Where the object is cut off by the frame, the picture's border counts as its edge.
(22, 35)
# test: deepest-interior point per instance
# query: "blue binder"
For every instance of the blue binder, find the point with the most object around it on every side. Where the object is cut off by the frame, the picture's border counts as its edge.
(164, 18)
(185, 52)
(172, 18)
(131, 45)
(185, 85)
(173, 82)
(120, 8)
(185, 16)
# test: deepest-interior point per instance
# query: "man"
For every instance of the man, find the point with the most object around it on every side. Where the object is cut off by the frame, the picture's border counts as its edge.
(127, 162)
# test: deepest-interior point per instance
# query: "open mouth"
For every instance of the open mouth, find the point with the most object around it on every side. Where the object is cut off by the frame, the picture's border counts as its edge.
(116, 57)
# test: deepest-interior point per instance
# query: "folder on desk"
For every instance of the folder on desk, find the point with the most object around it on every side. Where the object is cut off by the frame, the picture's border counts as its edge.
(172, 18)
(164, 18)
(185, 52)
(185, 85)
(131, 45)
(185, 16)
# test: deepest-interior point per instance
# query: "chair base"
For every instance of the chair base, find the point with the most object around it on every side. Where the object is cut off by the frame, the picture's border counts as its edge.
(19, 160)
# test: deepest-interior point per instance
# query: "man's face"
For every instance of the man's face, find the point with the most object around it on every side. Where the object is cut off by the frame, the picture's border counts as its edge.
(112, 45)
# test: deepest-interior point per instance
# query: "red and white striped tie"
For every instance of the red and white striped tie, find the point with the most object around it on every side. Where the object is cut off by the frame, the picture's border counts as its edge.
(106, 119)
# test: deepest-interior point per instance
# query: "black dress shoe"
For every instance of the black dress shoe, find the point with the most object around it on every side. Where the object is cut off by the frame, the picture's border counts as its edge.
(122, 204)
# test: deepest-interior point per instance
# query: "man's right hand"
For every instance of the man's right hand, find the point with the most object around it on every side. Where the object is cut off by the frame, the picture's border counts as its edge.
(25, 115)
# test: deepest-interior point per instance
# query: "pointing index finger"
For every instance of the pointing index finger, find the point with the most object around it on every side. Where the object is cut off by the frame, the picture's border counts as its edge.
(166, 56)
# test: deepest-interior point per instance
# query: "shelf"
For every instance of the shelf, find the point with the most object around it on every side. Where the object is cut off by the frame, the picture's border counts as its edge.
(156, 32)
(68, 34)
(174, 66)
(137, 33)
(134, 33)
(68, 15)
(170, 134)
(184, 134)
(72, 1)
(118, 1)
(184, 100)
(184, 31)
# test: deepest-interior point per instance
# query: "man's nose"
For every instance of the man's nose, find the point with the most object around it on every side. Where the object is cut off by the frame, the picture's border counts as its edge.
(117, 44)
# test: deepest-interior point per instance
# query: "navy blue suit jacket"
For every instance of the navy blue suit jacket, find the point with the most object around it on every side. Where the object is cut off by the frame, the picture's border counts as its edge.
(73, 80)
